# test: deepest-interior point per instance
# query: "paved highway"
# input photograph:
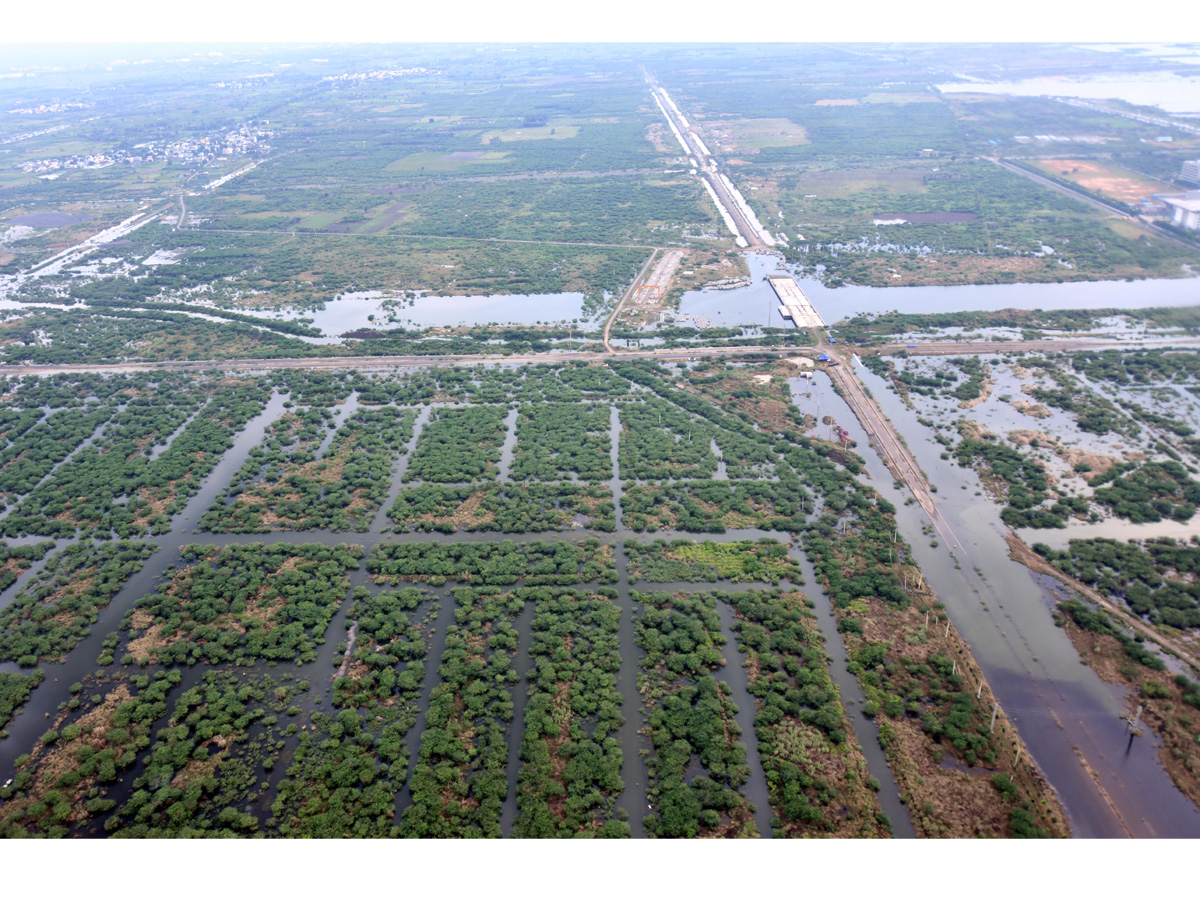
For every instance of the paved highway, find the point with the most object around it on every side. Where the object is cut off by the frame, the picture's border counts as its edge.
(958, 348)
(709, 174)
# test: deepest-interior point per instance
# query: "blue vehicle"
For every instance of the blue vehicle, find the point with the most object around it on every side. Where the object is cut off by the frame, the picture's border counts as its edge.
(911, 346)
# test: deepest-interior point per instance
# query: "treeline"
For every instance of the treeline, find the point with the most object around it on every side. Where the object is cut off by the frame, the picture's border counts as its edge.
(29, 457)
(558, 440)
(815, 770)
(118, 483)
(1138, 366)
(459, 445)
(1148, 492)
(15, 689)
(144, 293)
(14, 561)
(1018, 481)
(914, 675)
(659, 441)
(458, 785)
(385, 637)
(62, 783)
(1153, 577)
(713, 506)
(283, 486)
(347, 770)
(208, 764)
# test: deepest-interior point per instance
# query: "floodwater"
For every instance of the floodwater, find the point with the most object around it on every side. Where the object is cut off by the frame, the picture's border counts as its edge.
(758, 304)
(39, 712)
(50, 219)
(368, 310)
(1115, 529)
(1169, 92)
(1068, 718)
(838, 303)
(1066, 715)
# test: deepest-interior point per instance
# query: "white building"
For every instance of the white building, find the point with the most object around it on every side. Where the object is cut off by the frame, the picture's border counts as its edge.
(1186, 209)
(1191, 171)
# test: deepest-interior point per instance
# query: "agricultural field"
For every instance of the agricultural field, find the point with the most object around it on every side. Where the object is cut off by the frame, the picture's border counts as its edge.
(459, 445)
(473, 686)
(691, 716)
(287, 484)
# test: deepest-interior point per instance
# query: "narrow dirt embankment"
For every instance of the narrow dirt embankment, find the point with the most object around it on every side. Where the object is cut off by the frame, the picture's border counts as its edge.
(1023, 553)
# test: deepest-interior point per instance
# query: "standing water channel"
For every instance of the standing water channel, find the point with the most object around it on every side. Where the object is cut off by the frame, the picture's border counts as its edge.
(1068, 718)
(1065, 714)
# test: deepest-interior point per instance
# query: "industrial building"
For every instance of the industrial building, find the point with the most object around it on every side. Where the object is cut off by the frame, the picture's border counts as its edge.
(1186, 208)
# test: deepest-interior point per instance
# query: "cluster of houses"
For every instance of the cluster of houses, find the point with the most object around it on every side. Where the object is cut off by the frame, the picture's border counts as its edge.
(245, 140)
(380, 75)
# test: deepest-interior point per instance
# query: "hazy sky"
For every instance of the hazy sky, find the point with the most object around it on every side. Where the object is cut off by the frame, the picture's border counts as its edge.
(579, 20)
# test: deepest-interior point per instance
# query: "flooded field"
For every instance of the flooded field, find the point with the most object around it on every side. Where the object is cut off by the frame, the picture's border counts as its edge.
(1065, 712)
(1174, 93)
(366, 310)
(759, 305)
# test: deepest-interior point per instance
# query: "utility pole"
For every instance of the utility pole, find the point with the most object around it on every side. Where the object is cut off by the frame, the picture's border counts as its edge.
(1134, 731)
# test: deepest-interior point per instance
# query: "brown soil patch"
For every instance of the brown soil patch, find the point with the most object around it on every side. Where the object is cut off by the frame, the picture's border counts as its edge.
(1101, 179)
(1025, 436)
(971, 430)
(1098, 463)
(944, 802)
(197, 768)
(14, 566)
(1035, 410)
(55, 760)
(984, 394)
